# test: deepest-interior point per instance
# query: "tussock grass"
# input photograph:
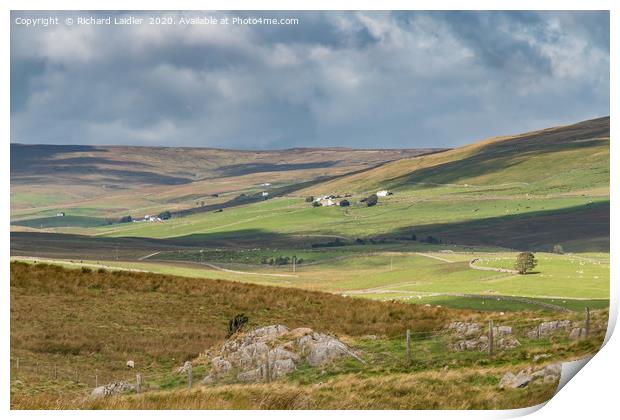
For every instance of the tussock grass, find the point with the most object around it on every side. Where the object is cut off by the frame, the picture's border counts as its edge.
(462, 389)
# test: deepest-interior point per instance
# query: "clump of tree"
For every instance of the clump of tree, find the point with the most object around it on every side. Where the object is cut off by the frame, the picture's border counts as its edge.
(236, 323)
(371, 200)
(126, 219)
(526, 261)
(430, 240)
(345, 203)
(309, 199)
(165, 215)
(414, 237)
(280, 260)
(558, 249)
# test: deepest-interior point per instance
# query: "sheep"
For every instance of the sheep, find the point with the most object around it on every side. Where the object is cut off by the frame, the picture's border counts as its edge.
(130, 364)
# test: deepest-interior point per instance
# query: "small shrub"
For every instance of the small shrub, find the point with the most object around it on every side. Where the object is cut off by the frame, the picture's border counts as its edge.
(236, 323)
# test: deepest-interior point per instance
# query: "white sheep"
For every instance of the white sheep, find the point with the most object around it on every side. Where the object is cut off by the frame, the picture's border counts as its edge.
(130, 364)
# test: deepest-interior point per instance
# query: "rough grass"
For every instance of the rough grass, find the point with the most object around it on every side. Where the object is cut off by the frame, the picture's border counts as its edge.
(461, 389)
(98, 320)
(93, 321)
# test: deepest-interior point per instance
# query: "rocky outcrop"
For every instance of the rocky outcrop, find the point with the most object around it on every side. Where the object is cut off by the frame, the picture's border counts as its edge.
(550, 374)
(577, 333)
(113, 388)
(273, 351)
(470, 337)
(546, 329)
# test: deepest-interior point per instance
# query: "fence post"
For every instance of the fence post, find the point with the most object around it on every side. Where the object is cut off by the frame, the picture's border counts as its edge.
(268, 368)
(76, 376)
(587, 322)
(55, 372)
(409, 346)
(189, 376)
(96, 378)
(138, 382)
(490, 337)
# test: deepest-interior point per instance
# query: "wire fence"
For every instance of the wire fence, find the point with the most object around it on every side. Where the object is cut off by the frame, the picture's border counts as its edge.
(473, 341)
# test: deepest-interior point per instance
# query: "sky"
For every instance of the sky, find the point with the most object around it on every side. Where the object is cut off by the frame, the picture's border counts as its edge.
(348, 79)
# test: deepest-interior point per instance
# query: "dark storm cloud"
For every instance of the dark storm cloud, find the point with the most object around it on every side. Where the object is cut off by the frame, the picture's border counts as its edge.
(366, 79)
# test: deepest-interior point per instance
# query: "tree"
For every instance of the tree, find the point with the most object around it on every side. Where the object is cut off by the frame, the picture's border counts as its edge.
(126, 219)
(165, 215)
(309, 199)
(316, 204)
(525, 262)
(344, 203)
(558, 249)
(371, 200)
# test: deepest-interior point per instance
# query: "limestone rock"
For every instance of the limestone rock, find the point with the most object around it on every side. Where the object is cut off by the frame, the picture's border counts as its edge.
(113, 388)
(520, 380)
(549, 374)
(545, 329)
(577, 333)
(273, 351)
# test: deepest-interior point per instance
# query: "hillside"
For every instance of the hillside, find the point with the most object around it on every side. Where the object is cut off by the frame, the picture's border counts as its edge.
(568, 159)
(107, 181)
(161, 321)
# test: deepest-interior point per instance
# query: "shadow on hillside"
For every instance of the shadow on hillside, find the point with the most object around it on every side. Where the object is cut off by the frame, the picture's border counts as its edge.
(36, 163)
(498, 156)
(54, 245)
(577, 229)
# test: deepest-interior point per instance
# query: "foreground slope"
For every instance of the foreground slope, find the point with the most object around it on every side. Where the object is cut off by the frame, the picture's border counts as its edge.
(161, 321)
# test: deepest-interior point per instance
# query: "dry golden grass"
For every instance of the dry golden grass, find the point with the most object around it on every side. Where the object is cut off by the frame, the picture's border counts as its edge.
(87, 320)
(97, 320)
(458, 389)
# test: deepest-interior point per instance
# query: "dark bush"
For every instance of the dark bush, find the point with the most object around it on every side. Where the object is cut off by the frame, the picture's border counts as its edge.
(236, 323)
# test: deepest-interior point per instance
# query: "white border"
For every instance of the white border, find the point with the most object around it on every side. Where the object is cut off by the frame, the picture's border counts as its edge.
(593, 394)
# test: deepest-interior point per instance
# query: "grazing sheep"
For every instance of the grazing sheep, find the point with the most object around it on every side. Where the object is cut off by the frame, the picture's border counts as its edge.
(130, 364)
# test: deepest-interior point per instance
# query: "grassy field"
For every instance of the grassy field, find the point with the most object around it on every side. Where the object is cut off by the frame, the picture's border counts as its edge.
(160, 321)
(564, 281)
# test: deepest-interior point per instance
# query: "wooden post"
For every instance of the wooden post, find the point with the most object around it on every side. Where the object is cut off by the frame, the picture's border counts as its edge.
(139, 382)
(76, 376)
(55, 372)
(268, 368)
(490, 337)
(189, 376)
(96, 379)
(587, 322)
(409, 346)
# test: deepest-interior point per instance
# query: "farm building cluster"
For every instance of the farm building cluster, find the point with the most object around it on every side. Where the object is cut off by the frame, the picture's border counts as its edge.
(335, 200)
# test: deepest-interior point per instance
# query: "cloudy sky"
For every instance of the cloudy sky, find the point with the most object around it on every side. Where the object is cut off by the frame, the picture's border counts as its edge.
(367, 79)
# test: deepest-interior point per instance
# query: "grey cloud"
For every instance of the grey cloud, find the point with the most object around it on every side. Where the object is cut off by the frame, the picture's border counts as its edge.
(365, 79)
